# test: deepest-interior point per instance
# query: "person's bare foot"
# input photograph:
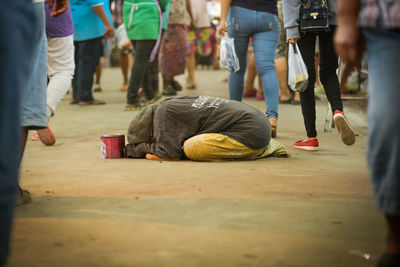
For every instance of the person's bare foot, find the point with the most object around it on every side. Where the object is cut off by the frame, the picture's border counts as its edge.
(274, 124)
(47, 136)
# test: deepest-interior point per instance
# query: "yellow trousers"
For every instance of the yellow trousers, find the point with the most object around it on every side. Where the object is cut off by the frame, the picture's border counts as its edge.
(215, 147)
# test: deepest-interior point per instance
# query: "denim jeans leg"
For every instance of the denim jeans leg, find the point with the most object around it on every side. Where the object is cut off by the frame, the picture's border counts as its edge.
(383, 151)
(241, 22)
(87, 60)
(16, 52)
(265, 42)
(34, 108)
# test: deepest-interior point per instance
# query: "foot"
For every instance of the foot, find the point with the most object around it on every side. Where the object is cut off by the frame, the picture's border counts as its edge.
(152, 101)
(23, 197)
(260, 97)
(190, 84)
(92, 102)
(74, 101)
(154, 157)
(47, 136)
(274, 124)
(285, 99)
(137, 106)
(124, 88)
(347, 134)
(97, 88)
(169, 91)
(176, 85)
(309, 144)
(250, 93)
(35, 136)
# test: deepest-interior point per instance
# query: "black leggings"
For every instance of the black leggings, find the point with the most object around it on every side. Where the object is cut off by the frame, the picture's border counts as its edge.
(140, 76)
(327, 72)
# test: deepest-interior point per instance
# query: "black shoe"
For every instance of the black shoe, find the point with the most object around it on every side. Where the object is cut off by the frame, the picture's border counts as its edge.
(176, 85)
(169, 91)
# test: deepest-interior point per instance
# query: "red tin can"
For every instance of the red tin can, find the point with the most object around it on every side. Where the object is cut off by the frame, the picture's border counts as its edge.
(112, 146)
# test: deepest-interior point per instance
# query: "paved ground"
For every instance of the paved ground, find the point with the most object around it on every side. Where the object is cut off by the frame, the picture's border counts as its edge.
(313, 209)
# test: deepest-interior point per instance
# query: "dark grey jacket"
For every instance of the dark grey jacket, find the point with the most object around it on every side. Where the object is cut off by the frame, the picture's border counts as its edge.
(180, 118)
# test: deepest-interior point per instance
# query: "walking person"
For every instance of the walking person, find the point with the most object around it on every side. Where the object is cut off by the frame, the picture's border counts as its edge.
(60, 66)
(257, 19)
(16, 54)
(329, 79)
(375, 21)
(175, 46)
(143, 22)
(92, 22)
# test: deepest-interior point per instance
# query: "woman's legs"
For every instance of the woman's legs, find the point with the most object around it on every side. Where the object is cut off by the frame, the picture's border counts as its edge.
(265, 44)
(307, 98)
(328, 66)
(140, 71)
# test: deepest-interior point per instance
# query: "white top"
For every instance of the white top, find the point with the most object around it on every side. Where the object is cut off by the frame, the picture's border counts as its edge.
(200, 13)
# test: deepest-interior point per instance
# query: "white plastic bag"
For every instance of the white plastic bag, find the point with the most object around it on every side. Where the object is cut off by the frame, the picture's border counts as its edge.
(298, 75)
(122, 37)
(227, 57)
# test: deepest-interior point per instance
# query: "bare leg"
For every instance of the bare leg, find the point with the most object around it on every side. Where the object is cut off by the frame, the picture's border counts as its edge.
(191, 66)
(124, 63)
(98, 76)
(251, 73)
(317, 83)
(281, 67)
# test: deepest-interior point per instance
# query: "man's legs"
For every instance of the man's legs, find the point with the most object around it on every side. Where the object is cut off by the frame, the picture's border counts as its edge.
(60, 70)
(16, 55)
(383, 151)
(86, 60)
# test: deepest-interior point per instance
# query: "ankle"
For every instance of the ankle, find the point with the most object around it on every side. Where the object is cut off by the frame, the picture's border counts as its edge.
(273, 122)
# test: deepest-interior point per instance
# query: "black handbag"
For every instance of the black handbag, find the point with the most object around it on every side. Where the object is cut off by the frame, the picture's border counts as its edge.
(314, 16)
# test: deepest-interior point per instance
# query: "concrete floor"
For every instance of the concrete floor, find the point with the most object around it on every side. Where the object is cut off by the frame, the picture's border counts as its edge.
(313, 209)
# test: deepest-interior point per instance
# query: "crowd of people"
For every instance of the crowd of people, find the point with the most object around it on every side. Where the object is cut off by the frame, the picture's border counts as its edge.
(54, 44)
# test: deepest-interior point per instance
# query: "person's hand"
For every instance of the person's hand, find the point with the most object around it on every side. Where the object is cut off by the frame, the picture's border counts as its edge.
(60, 6)
(292, 40)
(349, 44)
(222, 28)
(127, 45)
(109, 33)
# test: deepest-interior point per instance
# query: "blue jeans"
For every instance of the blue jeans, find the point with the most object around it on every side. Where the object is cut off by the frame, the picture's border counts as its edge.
(87, 56)
(34, 106)
(383, 153)
(18, 27)
(264, 28)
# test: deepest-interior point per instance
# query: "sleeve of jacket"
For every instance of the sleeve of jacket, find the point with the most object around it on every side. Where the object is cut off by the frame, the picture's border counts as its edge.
(291, 9)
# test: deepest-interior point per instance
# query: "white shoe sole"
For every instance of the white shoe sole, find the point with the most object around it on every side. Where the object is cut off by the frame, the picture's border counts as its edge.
(347, 133)
(307, 148)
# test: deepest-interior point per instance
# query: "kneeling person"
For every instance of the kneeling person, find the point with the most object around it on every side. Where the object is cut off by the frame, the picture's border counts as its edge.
(202, 128)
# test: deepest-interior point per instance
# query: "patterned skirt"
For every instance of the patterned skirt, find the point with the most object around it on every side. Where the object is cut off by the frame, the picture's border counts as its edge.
(174, 50)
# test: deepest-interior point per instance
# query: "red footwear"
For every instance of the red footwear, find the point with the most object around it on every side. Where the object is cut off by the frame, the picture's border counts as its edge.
(260, 97)
(250, 94)
(347, 133)
(47, 136)
(309, 145)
